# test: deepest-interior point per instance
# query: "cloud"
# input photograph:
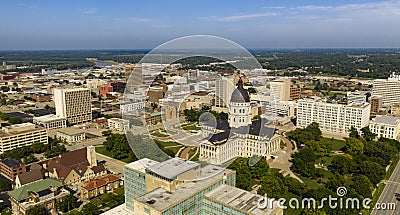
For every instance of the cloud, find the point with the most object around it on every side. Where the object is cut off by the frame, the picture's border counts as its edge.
(138, 19)
(351, 7)
(89, 11)
(275, 7)
(239, 17)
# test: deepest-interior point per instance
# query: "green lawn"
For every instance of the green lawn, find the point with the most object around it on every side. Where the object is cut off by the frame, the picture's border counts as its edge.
(171, 147)
(336, 144)
(102, 150)
(191, 127)
(327, 160)
(310, 183)
(192, 152)
(119, 191)
(158, 134)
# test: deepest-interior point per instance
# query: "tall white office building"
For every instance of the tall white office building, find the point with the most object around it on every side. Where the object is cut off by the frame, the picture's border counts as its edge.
(388, 89)
(224, 87)
(73, 104)
(333, 118)
(280, 89)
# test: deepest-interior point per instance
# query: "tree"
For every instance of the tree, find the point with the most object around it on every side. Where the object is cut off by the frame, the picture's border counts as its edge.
(372, 170)
(294, 186)
(252, 90)
(303, 162)
(354, 145)
(67, 203)
(272, 186)
(106, 133)
(5, 88)
(354, 133)
(5, 185)
(14, 121)
(363, 186)
(367, 134)
(10, 101)
(343, 164)
(90, 209)
(320, 148)
(3, 116)
(36, 210)
(301, 136)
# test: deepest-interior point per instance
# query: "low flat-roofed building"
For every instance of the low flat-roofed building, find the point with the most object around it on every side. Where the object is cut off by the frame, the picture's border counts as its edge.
(71, 134)
(10, 168)
(131, 106)
(118, 124)
(51, 121)
(385, 126)
(19, 135)
(226, 200)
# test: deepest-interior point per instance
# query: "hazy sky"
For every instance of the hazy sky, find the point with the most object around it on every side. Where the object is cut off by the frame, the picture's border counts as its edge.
(146, 24)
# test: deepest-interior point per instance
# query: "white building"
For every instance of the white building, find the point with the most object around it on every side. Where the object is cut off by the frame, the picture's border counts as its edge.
(118, 124)
(95, 83)
(224, 87)
(385, 126)
(71, 135)
(132, 106)
(332, 118)
(73, 104)
(280, 89)
(50, 121)
(389, 89)
(202, 86)
(241, 137)
(25, 134)
(281, 108)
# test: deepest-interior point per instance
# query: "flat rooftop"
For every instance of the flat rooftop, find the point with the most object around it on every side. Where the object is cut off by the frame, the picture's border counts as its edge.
(390, 120)
(71, 131)
(141, 165)
(119, 210)
(48, 118)
(173, 167)
(19, 129)
(239, 199)
(160, 199)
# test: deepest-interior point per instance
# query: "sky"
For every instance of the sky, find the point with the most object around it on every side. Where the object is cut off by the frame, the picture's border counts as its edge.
(145, 24)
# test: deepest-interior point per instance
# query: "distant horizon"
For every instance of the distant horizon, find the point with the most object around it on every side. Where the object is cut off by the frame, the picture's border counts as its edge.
(285, 24)
(250, 49)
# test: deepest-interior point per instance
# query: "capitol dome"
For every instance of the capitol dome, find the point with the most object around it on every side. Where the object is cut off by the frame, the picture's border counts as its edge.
(240, 95)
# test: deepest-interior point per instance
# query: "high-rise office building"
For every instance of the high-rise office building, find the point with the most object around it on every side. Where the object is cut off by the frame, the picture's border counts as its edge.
(388, 89)
(332, 118)
(73, 104)
(376, 104)
(224, 87)
(178, 186)
(134, 74)
(280, 89)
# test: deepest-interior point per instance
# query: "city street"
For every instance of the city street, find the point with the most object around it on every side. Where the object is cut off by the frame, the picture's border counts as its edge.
(113, 165)
(90, 142)
(388, 194)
